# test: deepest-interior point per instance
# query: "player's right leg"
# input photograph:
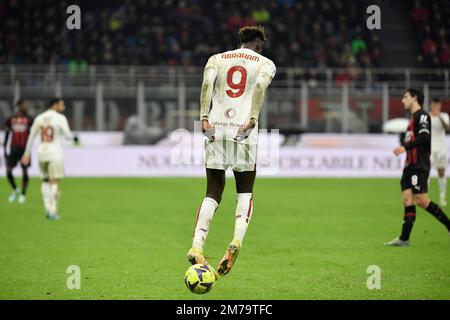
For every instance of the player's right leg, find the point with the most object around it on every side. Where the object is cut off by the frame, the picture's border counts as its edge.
(16, 192)
(45, 188)
(214, 189)
(55, 173)
(244, 208)
(50, 188)
(409, 217)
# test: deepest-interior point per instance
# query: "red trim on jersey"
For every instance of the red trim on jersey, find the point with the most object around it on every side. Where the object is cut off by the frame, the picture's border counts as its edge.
(408, 152)
(414, 152)
(249, 209)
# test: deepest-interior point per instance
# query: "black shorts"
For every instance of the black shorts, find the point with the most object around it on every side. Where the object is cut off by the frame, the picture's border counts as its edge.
(14, 157)
(415, 180)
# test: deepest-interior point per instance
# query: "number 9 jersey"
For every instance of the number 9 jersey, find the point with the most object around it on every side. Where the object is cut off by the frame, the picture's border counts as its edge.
(53, 128)
(237, 73)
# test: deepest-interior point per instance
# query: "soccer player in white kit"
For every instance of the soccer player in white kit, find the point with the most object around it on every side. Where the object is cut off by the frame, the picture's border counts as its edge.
(53, 128)
(439, 125)
(235, 82)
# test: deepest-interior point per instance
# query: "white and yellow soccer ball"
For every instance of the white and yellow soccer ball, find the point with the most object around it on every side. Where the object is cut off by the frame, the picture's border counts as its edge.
(199, 278)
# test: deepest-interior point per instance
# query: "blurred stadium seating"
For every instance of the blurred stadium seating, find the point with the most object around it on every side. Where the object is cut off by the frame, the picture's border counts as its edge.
(302, 33)
(432, 20)
(144, 58)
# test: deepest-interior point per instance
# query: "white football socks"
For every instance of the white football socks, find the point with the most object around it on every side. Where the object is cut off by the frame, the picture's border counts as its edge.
(204, 216)
(54, 196)
(244, 210)
(443, 186)
(45, 190)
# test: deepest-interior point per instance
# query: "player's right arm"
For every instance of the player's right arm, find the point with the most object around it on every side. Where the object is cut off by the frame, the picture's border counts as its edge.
(209, 76)
(33, 133)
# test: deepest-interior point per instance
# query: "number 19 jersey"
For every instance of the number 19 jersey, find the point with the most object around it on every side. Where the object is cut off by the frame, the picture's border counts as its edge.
(237, 72)
(53, 128)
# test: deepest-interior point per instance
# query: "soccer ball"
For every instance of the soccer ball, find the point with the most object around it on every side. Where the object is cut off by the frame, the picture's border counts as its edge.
(199, 278)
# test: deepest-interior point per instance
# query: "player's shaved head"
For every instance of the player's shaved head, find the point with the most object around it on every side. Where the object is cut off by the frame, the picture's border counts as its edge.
(252, 37)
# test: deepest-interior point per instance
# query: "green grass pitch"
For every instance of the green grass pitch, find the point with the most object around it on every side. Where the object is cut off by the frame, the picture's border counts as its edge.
(308, 239)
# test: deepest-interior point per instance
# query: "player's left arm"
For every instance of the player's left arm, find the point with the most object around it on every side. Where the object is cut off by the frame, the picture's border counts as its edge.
(263, 80)
(424, 129)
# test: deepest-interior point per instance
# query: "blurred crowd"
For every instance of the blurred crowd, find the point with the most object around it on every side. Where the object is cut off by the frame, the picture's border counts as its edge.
(307, 33)
(432, 20)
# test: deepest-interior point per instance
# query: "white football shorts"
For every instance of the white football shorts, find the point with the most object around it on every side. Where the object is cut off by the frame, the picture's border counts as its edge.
(224, 154)
(439, 159)
(52, 169)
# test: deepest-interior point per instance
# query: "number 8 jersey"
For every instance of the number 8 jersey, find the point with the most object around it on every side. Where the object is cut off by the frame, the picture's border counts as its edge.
(52, 128)
(237, 72)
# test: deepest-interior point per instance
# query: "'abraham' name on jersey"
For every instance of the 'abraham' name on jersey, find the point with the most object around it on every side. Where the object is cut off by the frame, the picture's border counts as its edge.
(239, 55)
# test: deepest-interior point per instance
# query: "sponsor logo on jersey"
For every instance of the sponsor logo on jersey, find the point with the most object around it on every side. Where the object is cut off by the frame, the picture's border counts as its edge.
(230, 113)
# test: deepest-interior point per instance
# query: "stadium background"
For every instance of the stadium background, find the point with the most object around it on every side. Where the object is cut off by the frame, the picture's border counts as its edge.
(131, 79)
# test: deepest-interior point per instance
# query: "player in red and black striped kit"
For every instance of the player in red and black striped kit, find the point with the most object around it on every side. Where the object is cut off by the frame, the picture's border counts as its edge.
(414, 183)
(16, 133)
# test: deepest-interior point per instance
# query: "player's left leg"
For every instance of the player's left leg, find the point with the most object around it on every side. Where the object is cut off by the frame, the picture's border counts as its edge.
(423, 201)
(442, 186)
(244, 188)
(25, 180)
(214, 188)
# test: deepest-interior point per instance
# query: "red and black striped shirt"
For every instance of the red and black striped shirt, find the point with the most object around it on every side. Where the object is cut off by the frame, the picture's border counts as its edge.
(418, 141)
(18, 127)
